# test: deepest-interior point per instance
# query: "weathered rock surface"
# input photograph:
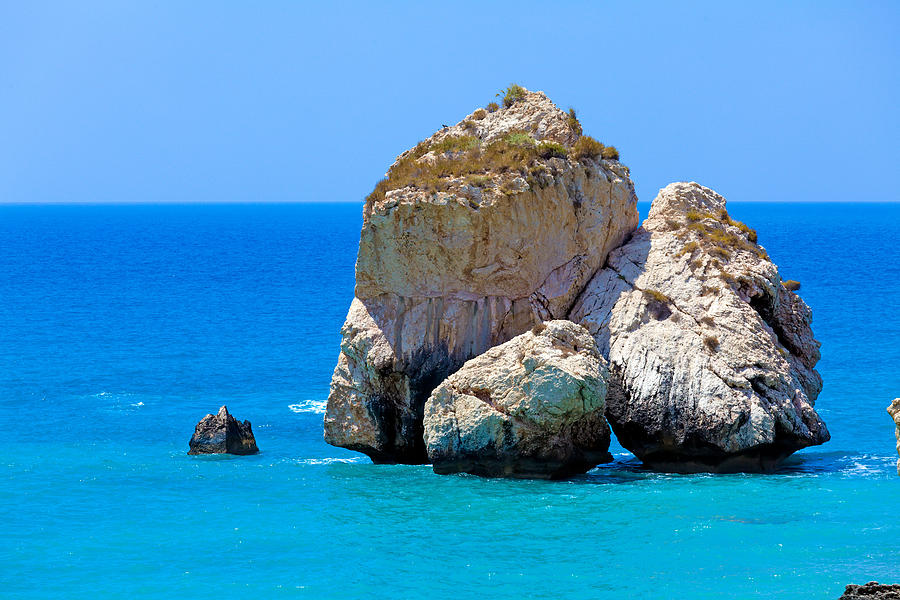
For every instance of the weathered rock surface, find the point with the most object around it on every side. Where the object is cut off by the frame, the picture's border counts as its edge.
(871, 591)
(535, 114)
(711, 359)
(443, 276)
(531, 407)
(222, 434)
(894, 411)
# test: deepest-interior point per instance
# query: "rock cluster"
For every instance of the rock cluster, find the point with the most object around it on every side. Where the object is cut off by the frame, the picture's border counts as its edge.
(711, 357)
(502, 223)
(871, 591)
(442, 276)
(531, 407)
(894, 411)
(221, 433)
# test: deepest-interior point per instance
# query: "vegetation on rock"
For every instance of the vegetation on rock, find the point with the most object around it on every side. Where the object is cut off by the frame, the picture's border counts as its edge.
(587, 147)
(552, 150)
(715, 236)
(574, 123)
(469, 157)
(711, 342)
(511, 94)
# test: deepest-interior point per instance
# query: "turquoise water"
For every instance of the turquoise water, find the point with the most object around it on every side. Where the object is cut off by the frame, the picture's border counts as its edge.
(120, 327)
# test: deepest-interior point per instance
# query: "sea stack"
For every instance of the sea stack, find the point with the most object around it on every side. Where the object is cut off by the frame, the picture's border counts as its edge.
(531, 407)
(477, 234)
(221, 433)
(711, 357)
(513, 219)
(894, 411)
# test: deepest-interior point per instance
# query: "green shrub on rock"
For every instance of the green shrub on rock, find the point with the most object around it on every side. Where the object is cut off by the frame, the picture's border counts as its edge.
(587, 147)
(573, 121)
(511, 94)
(552, 150)
(610, 153)
(520, 138)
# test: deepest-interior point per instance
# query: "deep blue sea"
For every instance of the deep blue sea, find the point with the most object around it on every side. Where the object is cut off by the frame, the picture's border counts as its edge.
(122, 326)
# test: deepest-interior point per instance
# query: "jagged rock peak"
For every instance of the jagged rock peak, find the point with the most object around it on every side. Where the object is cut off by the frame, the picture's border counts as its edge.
(532, 407)
(711, 357)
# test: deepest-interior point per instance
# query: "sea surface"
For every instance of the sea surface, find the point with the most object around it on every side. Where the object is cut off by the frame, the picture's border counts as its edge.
(122, 326)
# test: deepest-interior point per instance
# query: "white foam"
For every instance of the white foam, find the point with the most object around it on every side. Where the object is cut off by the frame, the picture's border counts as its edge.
(329, 461)
(309, 406)
(867, 465)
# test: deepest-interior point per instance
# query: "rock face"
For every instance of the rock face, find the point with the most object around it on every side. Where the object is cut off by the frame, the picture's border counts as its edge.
(454, 263)
(711, 357)
(871, 591)
(222, 434)
(531, 407)
(894, 411)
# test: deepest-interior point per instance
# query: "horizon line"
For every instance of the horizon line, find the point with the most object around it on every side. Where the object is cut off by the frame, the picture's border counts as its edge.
(357, 202)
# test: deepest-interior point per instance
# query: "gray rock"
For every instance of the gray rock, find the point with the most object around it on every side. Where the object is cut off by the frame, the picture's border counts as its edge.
(532, 407)
(894, 411)
(871, 591)
(711, 357)
(222, 434)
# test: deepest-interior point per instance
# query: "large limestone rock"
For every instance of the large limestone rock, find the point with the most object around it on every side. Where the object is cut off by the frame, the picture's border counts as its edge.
(221, 433)
(711, 357)
(452, 265)
(894, 411)
(532, 407)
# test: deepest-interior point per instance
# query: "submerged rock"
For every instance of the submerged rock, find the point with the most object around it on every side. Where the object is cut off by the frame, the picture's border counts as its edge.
(222, 434)
(894, 411)
(478, 233)
(531, 407)
(871, 591)
(711, 357)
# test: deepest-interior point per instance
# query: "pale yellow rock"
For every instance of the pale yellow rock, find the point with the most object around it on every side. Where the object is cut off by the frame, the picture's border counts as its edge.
(442, 277)
(894, 411)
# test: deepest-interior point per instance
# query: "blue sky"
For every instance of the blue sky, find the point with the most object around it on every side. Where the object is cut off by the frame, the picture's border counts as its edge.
(286, 101)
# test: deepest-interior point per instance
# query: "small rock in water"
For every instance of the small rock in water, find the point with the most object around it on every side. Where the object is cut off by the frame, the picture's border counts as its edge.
(223, 434)
(872, 591)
